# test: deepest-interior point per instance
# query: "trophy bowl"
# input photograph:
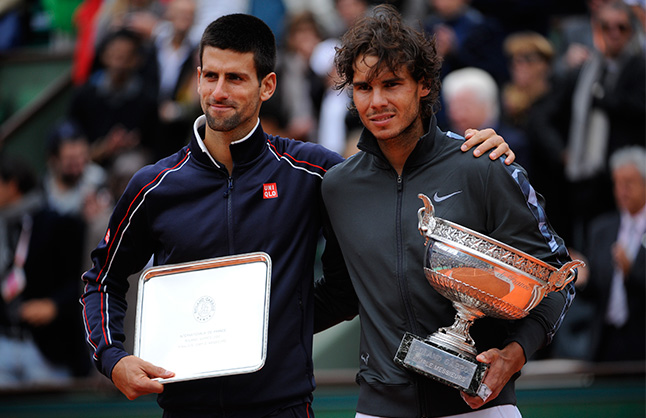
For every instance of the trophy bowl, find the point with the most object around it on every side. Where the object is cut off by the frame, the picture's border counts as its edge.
(481, 277)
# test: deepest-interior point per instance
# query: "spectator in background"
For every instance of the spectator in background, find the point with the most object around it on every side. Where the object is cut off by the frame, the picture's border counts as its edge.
(472, 100)
(466, 38)
(530, 61)
(607, 112)
(71, 176)
(618, 264)
(176, 63)
(524, 101)
(335, 123)
(576, 37)
(614, 296)
(140, 16)
(40, 266)
(332, 130)
(348, 12)
(114, 108)
(293, 111)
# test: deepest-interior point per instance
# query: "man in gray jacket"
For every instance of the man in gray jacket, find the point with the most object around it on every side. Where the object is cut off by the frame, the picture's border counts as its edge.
(372, 203)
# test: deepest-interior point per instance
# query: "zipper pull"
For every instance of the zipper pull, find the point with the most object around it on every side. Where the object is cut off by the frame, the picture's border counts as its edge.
(400, 183)
(229, 188)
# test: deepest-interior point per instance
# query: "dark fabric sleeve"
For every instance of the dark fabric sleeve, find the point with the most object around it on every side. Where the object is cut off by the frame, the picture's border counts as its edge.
(335, 300)
(125, 250)
(521, 221)
(539, 327)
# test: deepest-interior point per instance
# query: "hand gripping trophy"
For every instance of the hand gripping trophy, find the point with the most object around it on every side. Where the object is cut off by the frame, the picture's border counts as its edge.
(482, 277)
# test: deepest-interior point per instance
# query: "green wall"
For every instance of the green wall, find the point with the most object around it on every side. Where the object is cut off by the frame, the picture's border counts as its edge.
(25, 80)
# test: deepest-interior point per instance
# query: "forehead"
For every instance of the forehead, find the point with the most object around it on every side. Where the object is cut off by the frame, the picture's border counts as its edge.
(121, 45)
(73, 145)
(227, 60)
(627, 171)
(610, 15)
(366, 70)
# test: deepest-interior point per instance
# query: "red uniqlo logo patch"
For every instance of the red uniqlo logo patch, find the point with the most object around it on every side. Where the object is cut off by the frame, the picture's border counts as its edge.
(269, 191)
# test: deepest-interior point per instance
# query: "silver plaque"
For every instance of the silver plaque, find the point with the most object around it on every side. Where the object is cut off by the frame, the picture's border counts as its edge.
(206, 318)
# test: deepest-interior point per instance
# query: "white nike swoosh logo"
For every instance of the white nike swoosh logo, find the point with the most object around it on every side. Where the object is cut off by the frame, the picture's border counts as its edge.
(438, 199)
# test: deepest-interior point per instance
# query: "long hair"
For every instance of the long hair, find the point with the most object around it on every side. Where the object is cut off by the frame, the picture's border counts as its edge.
(396, 45)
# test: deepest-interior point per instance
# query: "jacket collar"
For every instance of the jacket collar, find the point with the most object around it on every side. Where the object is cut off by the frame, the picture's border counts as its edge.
(422, 153)
(243, 150)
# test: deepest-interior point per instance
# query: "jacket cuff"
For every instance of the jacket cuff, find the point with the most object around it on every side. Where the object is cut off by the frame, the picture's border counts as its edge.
(531, 337)
(109, 358)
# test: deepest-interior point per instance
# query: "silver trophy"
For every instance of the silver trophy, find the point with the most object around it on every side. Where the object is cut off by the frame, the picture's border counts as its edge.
(482, 277)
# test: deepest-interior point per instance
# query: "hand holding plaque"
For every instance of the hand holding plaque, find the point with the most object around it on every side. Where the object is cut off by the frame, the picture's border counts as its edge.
(481, 276)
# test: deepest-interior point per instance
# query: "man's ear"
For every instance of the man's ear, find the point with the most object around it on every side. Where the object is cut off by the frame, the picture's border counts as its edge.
(268, 86)
(426, 88)
(199, 74)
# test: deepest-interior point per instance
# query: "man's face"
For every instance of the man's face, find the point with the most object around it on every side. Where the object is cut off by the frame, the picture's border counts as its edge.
(230, 93)
(528, 68)
(182, 14)
(467, 110)
(448, 8)
(629, 188)
(615, 30)
(73, 156)
(120, 59)
(389, 104)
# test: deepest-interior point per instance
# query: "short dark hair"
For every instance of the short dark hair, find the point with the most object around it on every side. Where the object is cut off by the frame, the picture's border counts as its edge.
(118, 34)
(384, 35)
(243, 33)
(65, 131)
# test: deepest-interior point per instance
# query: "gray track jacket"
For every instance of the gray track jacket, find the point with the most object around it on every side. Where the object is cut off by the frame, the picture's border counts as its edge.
(374, 214)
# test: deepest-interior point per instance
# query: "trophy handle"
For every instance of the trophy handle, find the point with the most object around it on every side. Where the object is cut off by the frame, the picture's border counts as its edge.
(425, 216)
(564, 275)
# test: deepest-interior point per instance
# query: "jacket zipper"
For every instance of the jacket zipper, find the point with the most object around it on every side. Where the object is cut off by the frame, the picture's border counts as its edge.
(227, 195)
(403, 286)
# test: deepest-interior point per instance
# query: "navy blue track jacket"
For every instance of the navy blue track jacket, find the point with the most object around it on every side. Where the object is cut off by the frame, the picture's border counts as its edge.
(186, 207)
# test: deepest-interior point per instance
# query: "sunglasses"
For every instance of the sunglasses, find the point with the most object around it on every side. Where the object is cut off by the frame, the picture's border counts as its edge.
(621, 27)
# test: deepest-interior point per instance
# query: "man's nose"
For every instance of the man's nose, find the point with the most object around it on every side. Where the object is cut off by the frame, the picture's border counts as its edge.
(220, 91)
(378, 98)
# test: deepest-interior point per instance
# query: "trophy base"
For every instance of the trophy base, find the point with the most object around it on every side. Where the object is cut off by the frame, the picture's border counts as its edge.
(452, 368)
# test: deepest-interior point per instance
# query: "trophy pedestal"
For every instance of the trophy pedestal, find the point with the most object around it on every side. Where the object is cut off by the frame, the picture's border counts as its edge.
(459, 370)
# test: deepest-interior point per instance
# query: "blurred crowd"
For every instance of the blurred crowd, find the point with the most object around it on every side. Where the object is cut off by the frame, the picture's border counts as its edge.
(562, 82)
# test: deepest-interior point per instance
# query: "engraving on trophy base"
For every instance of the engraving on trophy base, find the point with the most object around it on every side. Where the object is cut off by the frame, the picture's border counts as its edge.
(442, 364)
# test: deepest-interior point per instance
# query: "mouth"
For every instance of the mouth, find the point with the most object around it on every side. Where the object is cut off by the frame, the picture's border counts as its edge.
(381, 119)
(220, 106)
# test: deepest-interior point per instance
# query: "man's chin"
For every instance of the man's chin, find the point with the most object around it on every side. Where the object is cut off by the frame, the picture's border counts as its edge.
(221, 125)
